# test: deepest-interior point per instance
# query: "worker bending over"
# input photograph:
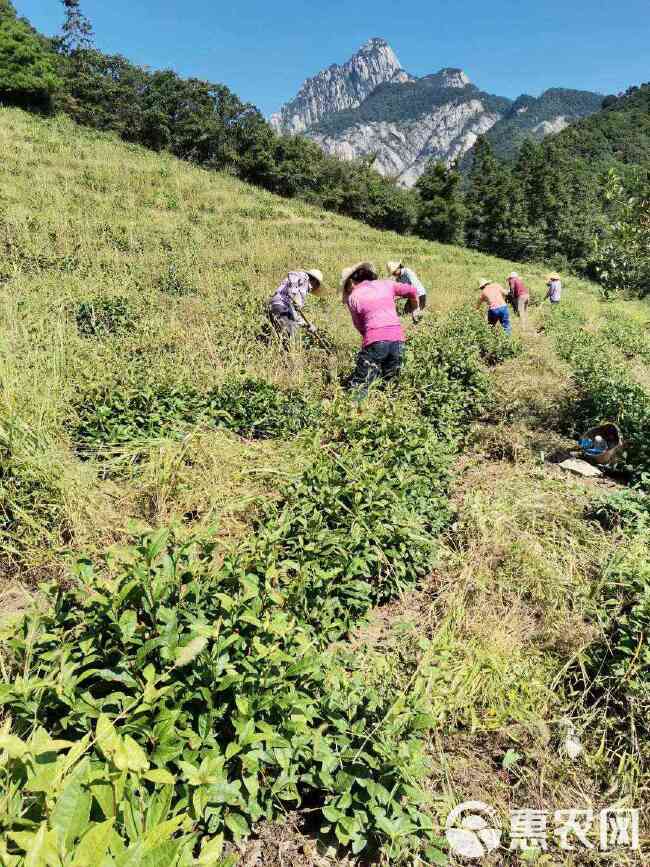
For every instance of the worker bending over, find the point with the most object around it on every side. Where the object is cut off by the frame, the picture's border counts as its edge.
(520, 298)
(289, 299)
(494, 295)
(371, 303)
(401, 274)
(554, 286)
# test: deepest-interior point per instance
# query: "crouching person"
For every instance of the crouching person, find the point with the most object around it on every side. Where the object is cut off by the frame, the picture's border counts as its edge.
(288, 300)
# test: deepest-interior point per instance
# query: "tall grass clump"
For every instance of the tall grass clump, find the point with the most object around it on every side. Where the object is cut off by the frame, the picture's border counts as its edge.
(610, 681)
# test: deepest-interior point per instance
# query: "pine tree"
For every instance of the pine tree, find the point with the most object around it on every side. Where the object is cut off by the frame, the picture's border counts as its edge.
(495, 220)
(77, 32)
(441, 213)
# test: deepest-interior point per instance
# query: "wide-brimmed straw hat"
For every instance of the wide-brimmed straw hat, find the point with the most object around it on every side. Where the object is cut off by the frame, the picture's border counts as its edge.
(346, 273)
(513, 275)
(554, 276)
(316, 274)
(482, 283)
(393, 267)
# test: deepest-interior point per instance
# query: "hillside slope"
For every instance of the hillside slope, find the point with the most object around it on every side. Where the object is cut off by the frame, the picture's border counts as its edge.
(353, 642)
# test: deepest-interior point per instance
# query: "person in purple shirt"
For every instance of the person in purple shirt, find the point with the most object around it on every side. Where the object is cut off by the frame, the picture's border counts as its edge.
(289, 298)
(371, 303)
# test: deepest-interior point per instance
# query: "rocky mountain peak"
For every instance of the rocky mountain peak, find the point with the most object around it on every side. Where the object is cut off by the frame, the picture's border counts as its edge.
(340, 87)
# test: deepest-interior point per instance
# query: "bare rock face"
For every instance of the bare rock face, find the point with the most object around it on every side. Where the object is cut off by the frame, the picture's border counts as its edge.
(340, 87)
(549, 127)
(402, 149)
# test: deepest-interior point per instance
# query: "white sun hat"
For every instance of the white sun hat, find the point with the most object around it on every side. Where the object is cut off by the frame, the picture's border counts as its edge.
(346, 273)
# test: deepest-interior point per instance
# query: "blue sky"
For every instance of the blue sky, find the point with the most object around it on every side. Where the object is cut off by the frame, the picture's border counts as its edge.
(263, 50)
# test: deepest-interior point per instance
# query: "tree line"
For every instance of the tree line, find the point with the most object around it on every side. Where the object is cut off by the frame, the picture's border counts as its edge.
(548, 205)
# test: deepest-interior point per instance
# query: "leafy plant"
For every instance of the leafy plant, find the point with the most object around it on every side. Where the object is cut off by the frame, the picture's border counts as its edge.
(113, 416)
(208, 703)
(100, 316)
(359, 525)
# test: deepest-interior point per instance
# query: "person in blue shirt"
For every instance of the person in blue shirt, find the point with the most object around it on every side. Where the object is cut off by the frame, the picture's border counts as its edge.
(402, 274)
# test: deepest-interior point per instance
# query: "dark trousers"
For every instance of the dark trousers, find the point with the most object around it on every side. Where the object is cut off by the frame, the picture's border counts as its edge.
(381, 359)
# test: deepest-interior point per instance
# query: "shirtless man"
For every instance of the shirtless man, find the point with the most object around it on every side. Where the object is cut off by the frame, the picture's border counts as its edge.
(494, 295)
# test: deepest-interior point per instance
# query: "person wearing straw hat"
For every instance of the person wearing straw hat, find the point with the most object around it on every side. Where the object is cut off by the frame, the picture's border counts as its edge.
(289, 298)
(520, 297)
(371, 303)
(554, 285)
(494, 295)
(401, 274)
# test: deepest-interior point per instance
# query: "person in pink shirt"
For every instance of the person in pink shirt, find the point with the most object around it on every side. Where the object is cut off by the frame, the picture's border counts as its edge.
(371, 303)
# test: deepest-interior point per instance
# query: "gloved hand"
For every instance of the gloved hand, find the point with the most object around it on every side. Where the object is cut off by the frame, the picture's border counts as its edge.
(416, 316)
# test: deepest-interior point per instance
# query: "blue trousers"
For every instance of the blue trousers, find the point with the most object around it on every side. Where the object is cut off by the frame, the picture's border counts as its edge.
(502, 315)
(381, 359)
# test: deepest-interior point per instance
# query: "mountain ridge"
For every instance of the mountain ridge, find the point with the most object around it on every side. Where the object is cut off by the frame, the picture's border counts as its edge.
(403, 121)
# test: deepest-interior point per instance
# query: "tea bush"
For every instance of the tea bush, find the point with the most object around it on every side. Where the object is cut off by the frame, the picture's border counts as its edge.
(625, 510)
(446, 380)
(359, 525)
(116, 415)
(208, 690)
(100, 316)
(204, 695)
(630, 336)
(605, 390)
(469, 330)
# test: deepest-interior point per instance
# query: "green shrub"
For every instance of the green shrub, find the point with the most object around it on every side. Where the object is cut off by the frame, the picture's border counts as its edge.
(445, 374)
(174, 283)
(98, 317)
(469, 330)
(199, 679)
(630, 336)
(625, 510)
(359, 525)
(604, 391)
(117, 415)
(607, 392)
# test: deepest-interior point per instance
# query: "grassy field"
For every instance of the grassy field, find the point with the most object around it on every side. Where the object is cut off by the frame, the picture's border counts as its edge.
(124, 272)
